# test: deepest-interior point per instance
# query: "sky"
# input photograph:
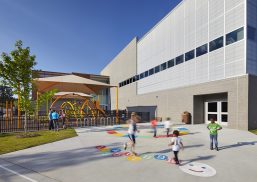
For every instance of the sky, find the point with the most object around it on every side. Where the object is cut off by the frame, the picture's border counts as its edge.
(77, 35)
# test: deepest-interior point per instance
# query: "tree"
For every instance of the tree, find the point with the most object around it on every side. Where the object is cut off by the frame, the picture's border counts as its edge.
(45, 97)
(16, 71)
(6, 93)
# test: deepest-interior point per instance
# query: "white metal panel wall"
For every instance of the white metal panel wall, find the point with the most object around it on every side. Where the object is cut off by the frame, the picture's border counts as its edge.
(190, 25)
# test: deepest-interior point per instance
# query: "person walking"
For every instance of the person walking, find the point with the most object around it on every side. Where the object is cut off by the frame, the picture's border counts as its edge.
(50, 124)
(214, 127)
(167, 126)
(55, 117)
(154, 126)
(176, 143)
(132, 122)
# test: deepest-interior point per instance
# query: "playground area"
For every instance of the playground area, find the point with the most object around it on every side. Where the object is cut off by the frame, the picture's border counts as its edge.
(97, 154)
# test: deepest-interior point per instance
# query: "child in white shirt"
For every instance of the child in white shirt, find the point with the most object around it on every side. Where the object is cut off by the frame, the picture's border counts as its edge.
(176, 143)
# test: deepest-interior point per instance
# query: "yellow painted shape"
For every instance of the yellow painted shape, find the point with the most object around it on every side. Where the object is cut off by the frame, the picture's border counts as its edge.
(134, 158)
(104, 150)
(118, 134)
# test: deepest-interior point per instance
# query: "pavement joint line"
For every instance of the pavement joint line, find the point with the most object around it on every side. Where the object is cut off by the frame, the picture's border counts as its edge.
(26, 169)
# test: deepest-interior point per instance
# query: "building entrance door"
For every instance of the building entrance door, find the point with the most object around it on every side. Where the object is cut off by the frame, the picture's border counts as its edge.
(217, 110)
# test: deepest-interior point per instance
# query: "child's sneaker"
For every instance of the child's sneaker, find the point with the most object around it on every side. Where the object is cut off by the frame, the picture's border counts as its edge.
(125, 146)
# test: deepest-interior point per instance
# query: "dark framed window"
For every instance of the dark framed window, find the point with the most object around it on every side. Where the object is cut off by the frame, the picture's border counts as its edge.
(190, 55)
(142, 75)
(201, 50)
(124, 83)
(127, 82)
(180, 59)
(157, 69)
(235, 36)
(130, 80)
(134, 78)
(120, 85)
(163, 66)
(251, 33)
(151, 71)
(137, 77)
(171, 63)
(146, 74)
(216, 44)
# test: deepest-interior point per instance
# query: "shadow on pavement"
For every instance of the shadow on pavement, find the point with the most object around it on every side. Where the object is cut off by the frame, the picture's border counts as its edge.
(52, 160)
(199, 158)
(239, 144)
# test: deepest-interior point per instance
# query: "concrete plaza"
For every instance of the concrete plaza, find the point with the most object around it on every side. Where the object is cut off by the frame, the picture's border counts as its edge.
(78, 160)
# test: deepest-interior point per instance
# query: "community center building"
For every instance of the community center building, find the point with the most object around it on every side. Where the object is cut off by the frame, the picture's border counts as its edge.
(200, 58)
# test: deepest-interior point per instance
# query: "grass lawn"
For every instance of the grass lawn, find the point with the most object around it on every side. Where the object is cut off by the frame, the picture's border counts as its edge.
(10, 143)
(254, 132)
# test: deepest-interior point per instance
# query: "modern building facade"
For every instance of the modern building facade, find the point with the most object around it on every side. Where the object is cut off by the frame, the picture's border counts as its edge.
(200, 58)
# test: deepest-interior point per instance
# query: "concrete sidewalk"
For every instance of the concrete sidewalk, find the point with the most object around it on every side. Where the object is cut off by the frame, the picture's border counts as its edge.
(77, 159)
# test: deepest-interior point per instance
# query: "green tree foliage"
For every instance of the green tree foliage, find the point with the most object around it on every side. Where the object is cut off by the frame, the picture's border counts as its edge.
(16, 71)
(45, 97)
(6, 93)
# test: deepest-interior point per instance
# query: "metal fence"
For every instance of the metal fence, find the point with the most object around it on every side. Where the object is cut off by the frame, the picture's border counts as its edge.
(13, 123)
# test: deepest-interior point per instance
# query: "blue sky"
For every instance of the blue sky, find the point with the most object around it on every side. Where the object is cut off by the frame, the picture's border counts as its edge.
(77, 35)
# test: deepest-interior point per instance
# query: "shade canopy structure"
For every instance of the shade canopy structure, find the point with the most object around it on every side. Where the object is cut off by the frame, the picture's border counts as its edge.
(70, 83)
(71, 95)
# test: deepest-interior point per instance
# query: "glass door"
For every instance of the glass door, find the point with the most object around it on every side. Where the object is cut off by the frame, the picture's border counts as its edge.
(217, 110)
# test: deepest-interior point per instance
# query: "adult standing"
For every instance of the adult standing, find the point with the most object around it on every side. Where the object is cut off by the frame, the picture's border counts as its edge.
(214, 127)
(63, 117)
(55, 117)
(132, 131)
(50, 125)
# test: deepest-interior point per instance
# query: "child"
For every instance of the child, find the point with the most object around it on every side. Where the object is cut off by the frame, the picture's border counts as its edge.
(132, 131)
(214, 127)
(154, 126)
(176, 143)
(167, 126)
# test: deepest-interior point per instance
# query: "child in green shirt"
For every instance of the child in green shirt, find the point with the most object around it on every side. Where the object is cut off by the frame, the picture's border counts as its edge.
(214, 127)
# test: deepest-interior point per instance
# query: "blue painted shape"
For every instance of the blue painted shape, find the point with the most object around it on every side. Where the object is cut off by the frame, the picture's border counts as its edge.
(127, 136)
(182, 129)
(160, 126)
(115, 150)
(161, 157)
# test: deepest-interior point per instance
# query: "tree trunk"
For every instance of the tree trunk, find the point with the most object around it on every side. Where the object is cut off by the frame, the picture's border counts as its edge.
(25, 122)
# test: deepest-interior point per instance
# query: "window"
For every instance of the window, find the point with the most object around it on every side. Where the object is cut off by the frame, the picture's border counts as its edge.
(251, 33)
(142, 75)
(134, 78)
(130, 80)
(127, 82)
(171, 63)
(163, 66)
(151, 71)
(235, 36)
(137, 77)
(190, 55)
(157, 69)
(180, 59)
(146, 74)
(201, 50)
(119, 84)
(216, 44)
(124, 83)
